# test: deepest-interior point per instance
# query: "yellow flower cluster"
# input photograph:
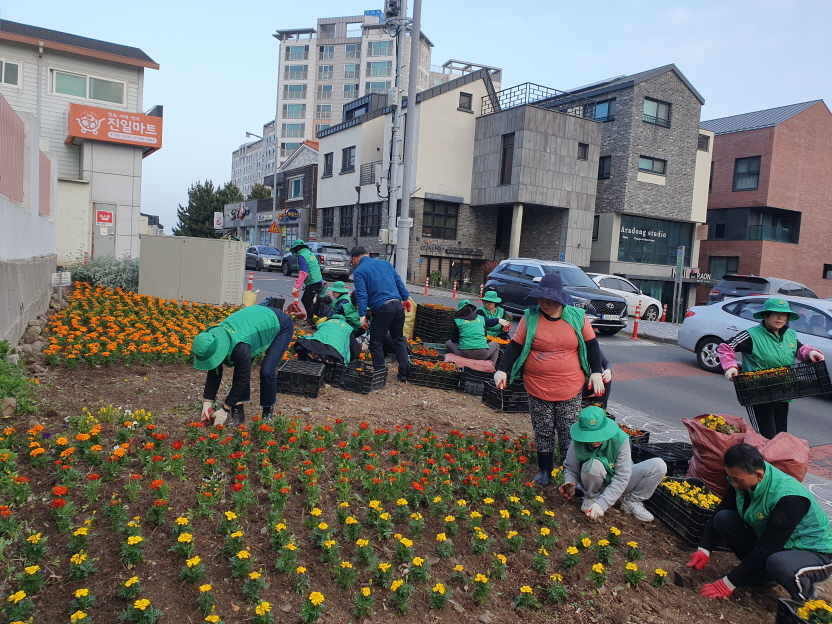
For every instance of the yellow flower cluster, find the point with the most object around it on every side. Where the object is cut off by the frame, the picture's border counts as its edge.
(717, 423)
(813, 606)
(316, 598)
(695, 495)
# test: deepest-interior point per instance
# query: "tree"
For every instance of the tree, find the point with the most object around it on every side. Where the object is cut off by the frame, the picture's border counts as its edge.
(260, 191)
(197, 218)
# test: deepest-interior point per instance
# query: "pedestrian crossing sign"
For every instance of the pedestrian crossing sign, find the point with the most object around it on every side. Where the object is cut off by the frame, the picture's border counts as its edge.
(274, 228)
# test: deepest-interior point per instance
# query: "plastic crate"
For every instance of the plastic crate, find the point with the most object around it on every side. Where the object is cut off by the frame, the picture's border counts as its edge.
(793, 382)
(675, 454)
(642, 438)
(421, 377)
(472, 381)
(512, 400)
(364, 380)
(440, 348)
(787, 612)
(433, 333)
(303, 378)
(687, 520)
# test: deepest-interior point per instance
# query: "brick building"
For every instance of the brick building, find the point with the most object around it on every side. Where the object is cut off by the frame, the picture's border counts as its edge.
(768, 202)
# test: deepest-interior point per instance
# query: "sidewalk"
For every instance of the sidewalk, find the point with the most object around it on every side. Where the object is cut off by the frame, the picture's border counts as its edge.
(654, 330)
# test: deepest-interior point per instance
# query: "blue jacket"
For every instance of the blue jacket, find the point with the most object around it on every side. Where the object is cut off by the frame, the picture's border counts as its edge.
(376, 281)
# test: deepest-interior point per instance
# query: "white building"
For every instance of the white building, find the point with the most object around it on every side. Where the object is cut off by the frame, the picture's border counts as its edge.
(85, 96)
(253, 161)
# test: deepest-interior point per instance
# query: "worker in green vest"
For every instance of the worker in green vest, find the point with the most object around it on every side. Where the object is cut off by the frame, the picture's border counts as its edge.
(236, 341)
(340, 296)
(309, 277)
(468, 334)
(491, 310)
(774, 526)
(332, 343)
(771, 344)
(599, 461)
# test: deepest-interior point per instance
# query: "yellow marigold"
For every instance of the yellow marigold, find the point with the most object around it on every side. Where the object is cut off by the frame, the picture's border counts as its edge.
(475, 514)
(501, 558)
(401, 502)
(34, 539)
(504, 514)
(343, 504)
(631, 567)
(346, 565)
(374, 504)
(543, 551)
(316, 598)
(598, 568)
(80, 593)
(406, 542)
(254, 575)
(539, 498)
(481, 536)
(480, 578)
(323, 526)
(384, 566)
(230, 515)
(131, 581)
(329, 543)
(315, 512)
(549, 513)
(350, 520)
(385, 516)
(33, 569)
(488, 500)
(300, 570)
(450, 519)
(362, 543)
(525, 512)
(78, 558)
(556, 578)
(185, 537)
(81, 531)
(441, 537)
(544, 531)
(396, 584)
(77, 616)
(134, 539)
(615, 531)
(205, 588)
(416, 516)
(365, 591)
(514, 499)
(458, 568)
(17, 597)
(603, 542)
(439, 588)
(181, 521)
(660, 572)
(632, 544)
(290, 546)
(244, 554)
(462, 502)
(526, 590)
(418, 562)
(586, 542)
(437, 499)
(213, 618)
(194, 561)
(511, 534)
(571, 551)
(263, 608)
(279, 527)
(237, 534)
(141, 604)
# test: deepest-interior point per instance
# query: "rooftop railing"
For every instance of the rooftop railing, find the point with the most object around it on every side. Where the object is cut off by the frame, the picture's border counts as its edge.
(521, 95)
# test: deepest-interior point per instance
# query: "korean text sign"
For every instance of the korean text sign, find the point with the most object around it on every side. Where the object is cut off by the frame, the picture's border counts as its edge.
(114, 126)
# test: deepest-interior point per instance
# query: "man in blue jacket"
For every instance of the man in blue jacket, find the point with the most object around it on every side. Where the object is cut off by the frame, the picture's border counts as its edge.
(379, 289)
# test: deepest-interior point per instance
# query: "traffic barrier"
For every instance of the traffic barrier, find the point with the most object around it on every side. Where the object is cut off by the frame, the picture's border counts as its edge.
(86, 258)
(664, 313)
(250, 281)
(482, 290)
(454, 295)
(635, 324)
(427, 282)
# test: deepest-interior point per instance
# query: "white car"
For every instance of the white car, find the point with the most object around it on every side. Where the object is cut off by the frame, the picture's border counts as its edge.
(705, 327)
(651, 309)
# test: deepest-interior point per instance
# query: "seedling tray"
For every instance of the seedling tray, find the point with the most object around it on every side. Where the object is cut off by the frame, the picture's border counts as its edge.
(444, 381)
(687, 520)
(473, 381)
(675, 454)
(787, 612)
(363, 380)
(512, 400)
(791, 382)
(303, 378)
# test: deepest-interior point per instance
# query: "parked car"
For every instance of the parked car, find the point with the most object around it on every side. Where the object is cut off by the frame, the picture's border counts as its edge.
(705, 327)
(733, 286)
(651, 309)
(515, 278)
(263, 258)
(334, 260)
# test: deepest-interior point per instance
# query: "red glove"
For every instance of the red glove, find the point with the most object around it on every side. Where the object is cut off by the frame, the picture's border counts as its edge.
(406, 306)
(718, 589)
(699, 560)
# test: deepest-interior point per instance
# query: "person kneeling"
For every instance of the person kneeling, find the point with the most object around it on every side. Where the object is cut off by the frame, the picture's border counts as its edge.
(468, 334)
(773, 525)
(599, 461)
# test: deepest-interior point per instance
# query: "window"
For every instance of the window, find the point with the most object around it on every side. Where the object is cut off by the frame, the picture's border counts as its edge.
(294, 111)
(324, 92)
(294, 92)
(321, 127)
(328, 159)
(532, 272)
(719, 231)
(827, 271)
(605, 111)
(380, 48)
(292, 130)
(653, 241)
(347, 216)
(296, 72)
(439, 219)
(327, 223)
(774, 224)
(326, 53)
(379, 68)
(323, 111)
(87, 87)
(747, 174)
(348, 159)
(653, 165)
(351, 91)
(507, 159)
(466, 101)
(325, 72)
(369, 219)
(512, 270)
(287, 149)
(720, 266)
(352, 71)
(9, 73)
(295, 188)
(297, 53)
(704, 144)
(604, 167)
(746, 310)
(583, 151)
(327, 31)
(656, 112)
(376, 87)
(596, 224)
(353, 50)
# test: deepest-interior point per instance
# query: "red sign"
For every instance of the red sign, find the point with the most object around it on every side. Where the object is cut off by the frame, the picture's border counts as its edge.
(104, 217)
(273, 228)
(114, 126)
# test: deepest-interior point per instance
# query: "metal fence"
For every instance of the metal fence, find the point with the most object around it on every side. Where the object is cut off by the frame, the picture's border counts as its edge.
(526, 93)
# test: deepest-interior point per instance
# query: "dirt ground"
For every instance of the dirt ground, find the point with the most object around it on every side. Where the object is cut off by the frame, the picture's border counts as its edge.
(173, 393)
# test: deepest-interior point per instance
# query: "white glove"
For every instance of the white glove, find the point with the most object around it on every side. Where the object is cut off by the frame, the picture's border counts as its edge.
(220, 416)
(816, 356)
(505, 323)
(595, 512)
(500, 380)
(607, 375)
(206, 410)
(295, 291)
(596, 383)
(731, 373)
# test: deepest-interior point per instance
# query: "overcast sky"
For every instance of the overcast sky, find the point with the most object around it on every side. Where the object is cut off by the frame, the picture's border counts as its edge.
(218, 60)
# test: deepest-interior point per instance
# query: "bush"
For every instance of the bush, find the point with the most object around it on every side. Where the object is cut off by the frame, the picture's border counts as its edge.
(108, 271)
(15, 383)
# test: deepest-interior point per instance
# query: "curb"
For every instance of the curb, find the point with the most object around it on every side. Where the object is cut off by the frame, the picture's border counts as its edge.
(643, 336)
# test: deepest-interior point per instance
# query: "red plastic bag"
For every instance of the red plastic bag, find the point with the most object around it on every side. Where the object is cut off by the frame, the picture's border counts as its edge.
(788, 453)
(296, 310)
(709, 448)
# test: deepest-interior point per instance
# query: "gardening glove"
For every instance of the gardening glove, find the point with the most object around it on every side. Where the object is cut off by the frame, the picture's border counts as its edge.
(699, 559)
(220, 416)
(500, 380)
(596, 383)
(607, 375)
(816, 356)
(595, 512)
(406, 305)
(505, 323)
(731, 373)
(295, 292)
(567, 490)
(364, 322)
(719, 589)
(206, 410)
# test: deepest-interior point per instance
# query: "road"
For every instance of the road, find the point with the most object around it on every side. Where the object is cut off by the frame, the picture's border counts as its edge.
(659, 380)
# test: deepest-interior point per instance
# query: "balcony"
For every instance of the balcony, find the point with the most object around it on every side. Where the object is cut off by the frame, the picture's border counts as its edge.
(770, 233)
(353, 54)
(367, 174)
(326, 56)
(657, 121)
(352, 74)
(521, 95)
(295, 75)
(325, 75)
(291, 114)
(354, 33)
(324, 95)
(376, 91)
(297, 56)
(323, 114)
(379, 71)
(294, 95)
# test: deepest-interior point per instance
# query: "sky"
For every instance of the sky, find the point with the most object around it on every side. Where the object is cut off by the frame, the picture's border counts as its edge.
(218, 75)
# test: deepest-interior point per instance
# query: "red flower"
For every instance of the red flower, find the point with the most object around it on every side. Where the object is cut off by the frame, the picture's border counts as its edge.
(60, 490)
(237, 487)
(309, 472)
(338, 421)
(207, 494)
(364, 426)
(156, 484)
(346, 456)
(342, 444)
(20, 479)
(240, 477)
(177, 444)
(285, 490)
(5, 512)
(158, 458)
(149, 446)
(177, 456)
(58, 503)
(93, 477)
(160, 502)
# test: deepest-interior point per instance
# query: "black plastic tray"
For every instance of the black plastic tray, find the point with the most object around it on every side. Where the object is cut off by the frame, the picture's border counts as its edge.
(421, 377)
(801, 380)
(303, 378)
(362, 381)
(473, 381)
(512, 400)
(675, 454)
(687, 520)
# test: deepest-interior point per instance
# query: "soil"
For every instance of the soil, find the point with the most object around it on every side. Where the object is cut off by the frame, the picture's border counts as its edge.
(173, 393)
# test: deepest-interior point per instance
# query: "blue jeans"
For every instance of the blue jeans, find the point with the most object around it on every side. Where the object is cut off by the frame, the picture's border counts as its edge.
(273, 358)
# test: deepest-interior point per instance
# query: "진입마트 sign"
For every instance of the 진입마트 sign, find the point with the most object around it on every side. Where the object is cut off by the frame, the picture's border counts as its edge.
(290, 214)
(114, 126)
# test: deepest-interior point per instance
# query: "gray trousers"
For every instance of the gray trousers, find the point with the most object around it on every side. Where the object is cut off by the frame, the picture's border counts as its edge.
(491, 353)
(643, 482)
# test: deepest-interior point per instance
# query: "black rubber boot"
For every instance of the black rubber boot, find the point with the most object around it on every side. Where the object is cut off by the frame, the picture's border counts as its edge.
(238, 416)
(544, 462)
(267, 413)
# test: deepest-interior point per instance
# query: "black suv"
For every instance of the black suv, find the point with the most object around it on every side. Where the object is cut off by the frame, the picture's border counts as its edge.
(515, 278)
(733, 286)
(334, 260)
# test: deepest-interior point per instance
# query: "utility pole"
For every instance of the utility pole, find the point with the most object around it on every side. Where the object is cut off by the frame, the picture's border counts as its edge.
(411, 141)
(396, 14)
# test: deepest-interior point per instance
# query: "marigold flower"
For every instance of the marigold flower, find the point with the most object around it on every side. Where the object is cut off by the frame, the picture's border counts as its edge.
(184, 538)
(384, 566)
(230, 515)
(290, 546)
(78, 558)
(571, 551)
(418, 562)
(632, 544)
(556, 578)
(182, 521)
(396, 584)
(603, 542)
(254, 575)
(598, 568)
(632, 567)
(213, 618)
(141, 604)
(236, 534)
(660, 572)
(80, 593)
(441, 537)
(77, 616)
(131, 581)
(33, 569)
(615, 531)
(300, 570)
(406, 542)
(134, 539)
(480, 578)
(315, 512)
(459, 568)
(526, 590)
(194, 561)
(205, 588)
(362, 543)
(17, 597)
(263, 608)
(316, 598)
(586, 542)
(365, 591)
(34, 539)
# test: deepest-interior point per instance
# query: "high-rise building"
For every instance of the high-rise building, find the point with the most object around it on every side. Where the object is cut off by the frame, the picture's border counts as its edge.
(253, 161)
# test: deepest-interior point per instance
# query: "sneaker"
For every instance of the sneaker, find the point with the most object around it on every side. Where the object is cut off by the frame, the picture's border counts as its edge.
(636, 509)
(267, 414)
(588, 502)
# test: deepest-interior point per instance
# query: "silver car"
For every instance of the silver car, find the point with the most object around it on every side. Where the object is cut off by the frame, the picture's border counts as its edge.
(705, 327)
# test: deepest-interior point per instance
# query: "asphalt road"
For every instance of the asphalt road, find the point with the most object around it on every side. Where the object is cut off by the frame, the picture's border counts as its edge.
(659, 380)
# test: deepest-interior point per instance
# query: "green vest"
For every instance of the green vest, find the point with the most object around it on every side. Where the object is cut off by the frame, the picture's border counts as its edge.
(498, 313)
(813, 532)
(574, 316)
(345, 298)
(256, 325)
(336, 333)
(314, 273)
(351, 315)
(769, 350)
(607, 453)
(472, 333)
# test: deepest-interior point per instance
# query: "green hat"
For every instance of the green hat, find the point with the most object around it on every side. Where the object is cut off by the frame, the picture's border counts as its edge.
(210, 348)
(492, 297)
(593, 426)
(777, 305)
(298, 243)
(339, 287)
(463, 303)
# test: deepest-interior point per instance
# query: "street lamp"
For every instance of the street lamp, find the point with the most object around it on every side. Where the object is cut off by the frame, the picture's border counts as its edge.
(251, 134)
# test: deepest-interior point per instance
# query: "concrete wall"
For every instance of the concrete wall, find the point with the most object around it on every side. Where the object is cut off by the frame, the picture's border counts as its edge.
(702, 177)
(74, 217)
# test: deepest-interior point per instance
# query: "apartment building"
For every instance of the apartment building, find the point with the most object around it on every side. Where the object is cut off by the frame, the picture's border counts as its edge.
(253, 161)
(768, 199)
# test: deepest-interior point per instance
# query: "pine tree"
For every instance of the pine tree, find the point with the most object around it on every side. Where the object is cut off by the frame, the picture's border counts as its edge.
(260, 191)
(197, 218)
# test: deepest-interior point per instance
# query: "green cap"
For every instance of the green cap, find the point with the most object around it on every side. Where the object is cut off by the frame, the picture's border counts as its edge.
(339, 287)
(593, 426)
(777, 305)
(298, 243)
(463, 303)
(492, 297)
(210, 348)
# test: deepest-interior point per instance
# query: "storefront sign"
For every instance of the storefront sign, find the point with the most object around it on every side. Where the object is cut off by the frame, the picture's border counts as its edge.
(218, 220)
(239, 211)
(642, 236)
(104, 217)
(264, 217)
(428, 247)
(288, 215)
(646, 240)
(445, 198)
(464, 252)
(114, 126)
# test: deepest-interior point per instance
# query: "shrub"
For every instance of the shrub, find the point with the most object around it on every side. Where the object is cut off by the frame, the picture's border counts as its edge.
(14, 382)
(108, 271)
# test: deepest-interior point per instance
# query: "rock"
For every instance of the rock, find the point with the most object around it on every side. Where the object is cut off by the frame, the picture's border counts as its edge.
(286, 607)
(307, 410)
(7, 407)
(35, 330)
(25, 348)
(33, 323)
(457, 607)
(486, 618)
(13, 358)
(37, 346)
